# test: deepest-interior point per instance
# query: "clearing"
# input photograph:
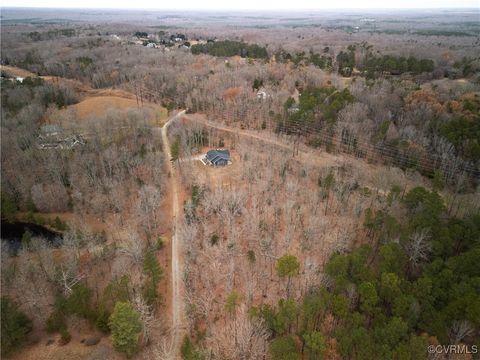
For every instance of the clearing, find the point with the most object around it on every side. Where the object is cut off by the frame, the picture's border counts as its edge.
(98, 103)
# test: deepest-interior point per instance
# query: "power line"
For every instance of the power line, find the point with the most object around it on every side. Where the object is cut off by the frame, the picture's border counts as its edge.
(425, 162)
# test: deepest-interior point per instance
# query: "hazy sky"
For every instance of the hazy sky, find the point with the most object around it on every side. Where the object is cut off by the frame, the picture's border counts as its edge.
(245, 4)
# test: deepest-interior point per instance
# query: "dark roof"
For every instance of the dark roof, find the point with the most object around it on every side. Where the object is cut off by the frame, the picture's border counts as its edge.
(216, 155)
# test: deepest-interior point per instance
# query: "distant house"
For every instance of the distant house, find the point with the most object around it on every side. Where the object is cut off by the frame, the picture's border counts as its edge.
(217, 157)
(51, 130)
(262, 94)
(52, 137)
(293, 109)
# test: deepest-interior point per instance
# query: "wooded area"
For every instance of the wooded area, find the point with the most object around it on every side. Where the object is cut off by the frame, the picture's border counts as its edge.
(345, 225)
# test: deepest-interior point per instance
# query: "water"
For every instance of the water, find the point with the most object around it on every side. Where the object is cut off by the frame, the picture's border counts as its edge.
(12, 233)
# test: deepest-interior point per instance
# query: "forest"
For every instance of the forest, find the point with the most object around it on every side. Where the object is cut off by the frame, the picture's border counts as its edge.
(229, 48)
(346, 224)
(421, 279)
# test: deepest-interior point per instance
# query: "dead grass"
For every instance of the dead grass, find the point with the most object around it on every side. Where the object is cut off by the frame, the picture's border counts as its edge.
(98, 105)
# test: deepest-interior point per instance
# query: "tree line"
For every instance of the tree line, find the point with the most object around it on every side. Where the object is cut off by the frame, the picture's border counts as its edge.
(227, 48)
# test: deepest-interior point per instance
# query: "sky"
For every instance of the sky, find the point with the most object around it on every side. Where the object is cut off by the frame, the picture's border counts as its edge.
(245, 4)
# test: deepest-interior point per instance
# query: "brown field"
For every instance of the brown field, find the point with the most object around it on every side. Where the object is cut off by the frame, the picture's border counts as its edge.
(98, 103)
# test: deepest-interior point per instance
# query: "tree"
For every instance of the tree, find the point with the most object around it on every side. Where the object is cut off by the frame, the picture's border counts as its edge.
(438, 180)
(15, 326)
(337, 267)
(79, 301)
(175, 149)
(315, 344)
(251, 256)
(50, 197)
(425, 207)
(147, 317)
(149, 203)
(232, 301)
(154, 273)
(257, 84)
(288, 266)
(392, 259)
(327, 184)
(368, 297)
(126, 328)
(188, 350)
(340, 306)
(389, 287)
(245, 338)
(418, 248)
(116, 290)
(286, 316)
(9, 207)
(284, 348)
(392, 332)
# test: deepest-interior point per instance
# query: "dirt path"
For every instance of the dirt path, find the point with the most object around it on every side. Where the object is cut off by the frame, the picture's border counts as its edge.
(176, 269)
(304, 155)
(369, 173)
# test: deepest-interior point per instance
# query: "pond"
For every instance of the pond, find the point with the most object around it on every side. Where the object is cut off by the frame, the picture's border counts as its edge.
(12, 233)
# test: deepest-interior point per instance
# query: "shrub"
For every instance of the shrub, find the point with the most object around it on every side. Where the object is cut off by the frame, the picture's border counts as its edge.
(15, 326)
(59, 224)
(65, 337)
(26, 239)
(56, 322)
(214, 239)
(160, 243)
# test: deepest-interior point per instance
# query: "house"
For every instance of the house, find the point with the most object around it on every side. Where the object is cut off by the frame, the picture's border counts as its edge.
(50, 130)
(52, 137)
(262, 94)
(293, 109)
(217, 157)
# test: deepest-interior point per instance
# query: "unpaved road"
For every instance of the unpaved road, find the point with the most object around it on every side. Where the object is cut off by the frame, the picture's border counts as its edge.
(305, 156)
(177, 283)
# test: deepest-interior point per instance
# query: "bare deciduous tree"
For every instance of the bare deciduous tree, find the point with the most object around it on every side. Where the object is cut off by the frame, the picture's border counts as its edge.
(418, 248)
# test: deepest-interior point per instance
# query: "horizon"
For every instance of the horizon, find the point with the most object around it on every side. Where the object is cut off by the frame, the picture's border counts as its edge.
(247, 5)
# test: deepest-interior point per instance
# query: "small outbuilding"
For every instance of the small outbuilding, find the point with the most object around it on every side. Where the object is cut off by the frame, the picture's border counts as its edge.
(217, 157)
